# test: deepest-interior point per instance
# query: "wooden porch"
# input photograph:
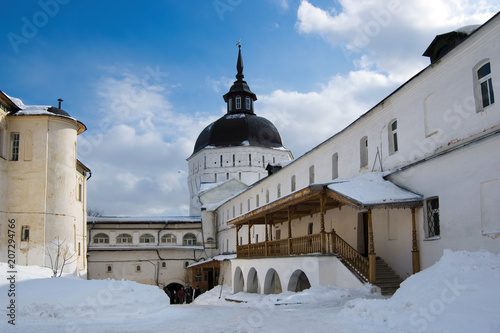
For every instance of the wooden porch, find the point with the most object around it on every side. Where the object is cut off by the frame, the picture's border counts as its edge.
(317, 199)
(310, 244)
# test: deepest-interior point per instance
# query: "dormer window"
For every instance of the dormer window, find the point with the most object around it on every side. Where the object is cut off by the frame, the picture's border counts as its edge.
(238, 102)
(247, 103)
(230, 104)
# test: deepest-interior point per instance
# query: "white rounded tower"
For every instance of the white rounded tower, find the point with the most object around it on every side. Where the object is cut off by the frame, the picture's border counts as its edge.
(239, 145)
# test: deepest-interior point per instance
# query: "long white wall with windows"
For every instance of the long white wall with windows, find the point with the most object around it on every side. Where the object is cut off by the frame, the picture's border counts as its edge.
(437, 135)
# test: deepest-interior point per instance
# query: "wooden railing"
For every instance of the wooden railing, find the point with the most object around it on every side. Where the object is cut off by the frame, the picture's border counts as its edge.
(306, 244)
(352, 257)
(277, 248)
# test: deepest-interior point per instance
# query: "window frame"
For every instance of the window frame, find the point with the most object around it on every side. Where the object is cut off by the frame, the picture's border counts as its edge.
(363, 152)
(15, 143)
(101, 238)
(146, 239)
(238, 102)
(187, 240)
(123, 236)
(393, 136)
(478, 86)
(25, 233)
(432, 227)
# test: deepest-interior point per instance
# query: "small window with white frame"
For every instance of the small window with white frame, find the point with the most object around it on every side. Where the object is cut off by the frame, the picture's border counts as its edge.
(238, 102)
(393, 136)
(247, 103)
(483, 85)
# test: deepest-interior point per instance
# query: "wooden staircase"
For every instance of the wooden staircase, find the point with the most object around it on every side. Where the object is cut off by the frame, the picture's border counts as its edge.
(386, 279)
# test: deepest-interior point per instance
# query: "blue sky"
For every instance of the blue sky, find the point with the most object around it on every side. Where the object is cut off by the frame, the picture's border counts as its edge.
(147, 78)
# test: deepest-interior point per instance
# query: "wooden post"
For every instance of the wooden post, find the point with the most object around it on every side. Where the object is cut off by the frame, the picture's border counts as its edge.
(249, 239)
(289, 230)
(334, 241)
(415, 253)
(267, 236)
(371, 251)
(322, 229)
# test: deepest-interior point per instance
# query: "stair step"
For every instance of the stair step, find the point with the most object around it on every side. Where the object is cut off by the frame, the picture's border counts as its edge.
(386, 279)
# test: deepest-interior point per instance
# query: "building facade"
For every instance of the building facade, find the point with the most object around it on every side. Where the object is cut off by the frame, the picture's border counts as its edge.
(413, 176)
(43, 186)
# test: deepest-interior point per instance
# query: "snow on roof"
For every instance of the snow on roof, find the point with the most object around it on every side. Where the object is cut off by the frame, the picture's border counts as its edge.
(372, 189)
(221, 257)
(144, 219)
(468, 29)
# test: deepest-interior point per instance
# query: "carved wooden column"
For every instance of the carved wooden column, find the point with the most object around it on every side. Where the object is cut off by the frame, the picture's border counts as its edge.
(322, 230)
(371, 250)
(267, 236)
(249, 239)
(289, 230)
(415, 253)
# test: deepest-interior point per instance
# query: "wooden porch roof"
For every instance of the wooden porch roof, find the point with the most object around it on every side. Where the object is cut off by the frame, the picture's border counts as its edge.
(307, 202)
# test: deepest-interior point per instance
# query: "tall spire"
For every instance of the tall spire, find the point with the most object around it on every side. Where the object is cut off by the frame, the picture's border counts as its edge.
(239, 65)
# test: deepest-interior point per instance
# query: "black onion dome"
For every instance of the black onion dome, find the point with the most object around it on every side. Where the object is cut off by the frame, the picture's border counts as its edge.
(234, 130)
(239, 126)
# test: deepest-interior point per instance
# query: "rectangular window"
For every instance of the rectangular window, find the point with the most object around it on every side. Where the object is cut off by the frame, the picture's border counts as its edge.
(310, 228)
(14, 139)
(335, 166)
(311, 174)
(278, 190)
(293, 184)
(393, 137)
(238, 102)
(486, 85)
(80, 192)
(363, 152)
(432, 206)
(25, 233)
(247, 103)
(278, 234)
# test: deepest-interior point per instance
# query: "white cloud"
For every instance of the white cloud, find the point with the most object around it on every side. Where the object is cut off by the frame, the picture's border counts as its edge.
(138, 151)
(384, 41)
(306, 119)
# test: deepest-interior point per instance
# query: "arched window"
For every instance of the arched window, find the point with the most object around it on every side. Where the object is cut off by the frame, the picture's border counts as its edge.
(238, 102)
(210, 240)
(247, 103)
(169, 239)
(147, 238)
(230, 104)
(123, 239)
(483, 85)
(101, 239)
(189, 240)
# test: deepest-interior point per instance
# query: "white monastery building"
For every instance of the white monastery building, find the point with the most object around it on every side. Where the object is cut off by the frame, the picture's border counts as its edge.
(42, 187)
(380, 200)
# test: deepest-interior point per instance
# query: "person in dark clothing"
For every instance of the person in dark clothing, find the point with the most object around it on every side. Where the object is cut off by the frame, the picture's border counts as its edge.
(197, 292)
(180, 295)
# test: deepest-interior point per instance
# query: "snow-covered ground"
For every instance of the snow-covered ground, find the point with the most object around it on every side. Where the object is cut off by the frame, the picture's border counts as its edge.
(460, 293)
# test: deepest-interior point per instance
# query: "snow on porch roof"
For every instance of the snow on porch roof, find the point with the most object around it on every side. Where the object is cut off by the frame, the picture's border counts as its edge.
(370, 189)
(220, 257)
